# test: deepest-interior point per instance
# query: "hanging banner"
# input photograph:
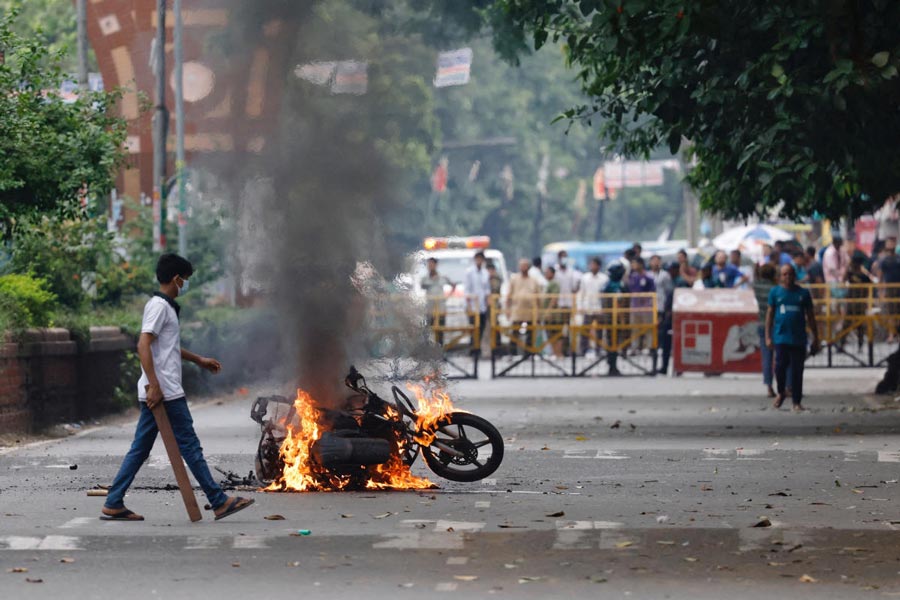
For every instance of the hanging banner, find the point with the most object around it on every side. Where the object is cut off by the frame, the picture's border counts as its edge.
(453, 68)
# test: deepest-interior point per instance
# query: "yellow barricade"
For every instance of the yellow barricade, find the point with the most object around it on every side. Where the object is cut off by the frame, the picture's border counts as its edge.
(455, 322)
(871, 311)
(611, 323)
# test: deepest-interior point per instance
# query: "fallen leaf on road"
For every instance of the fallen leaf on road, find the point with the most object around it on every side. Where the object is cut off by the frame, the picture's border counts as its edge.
(295, 563)
(407, 585)
(665, 542)
(383, 515)
(511, 526)
(705, 488)
(235, 564)
(597, 579)
(763, 522)
(557, 514)
(18, 570)
(346, 516)
(450, 530)
(274, 518)
(837, 483)
(780, 494)
(776, 564)
(580, 438)
(529, 579)
(510, 566)
(545, 448)
(819, 504)
(616, 425)
(856, 491)
(466, 577)
(690, 559)
(625, 544)
(30, 580)
(67, 560)
(808, 579)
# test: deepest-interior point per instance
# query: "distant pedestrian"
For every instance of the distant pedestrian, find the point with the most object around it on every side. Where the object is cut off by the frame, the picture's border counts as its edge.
(858, 279)
(687, 274)
(790, 312)
(889, 273)
(555, 320)
(799, 263)
(569, 279)
(814, 272)
(666, 316)
(522, 306)
(735, 259)
(536, 272)
(495, 283)
(614, 314)
(642, 313)
(762, 286)
(160, 352)
(589, 290)
(434, 285)
(706, 281)
(835, 261)
(726, 273)
(478, 288)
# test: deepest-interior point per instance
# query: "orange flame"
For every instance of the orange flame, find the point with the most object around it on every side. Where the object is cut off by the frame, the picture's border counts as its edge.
(302, 474)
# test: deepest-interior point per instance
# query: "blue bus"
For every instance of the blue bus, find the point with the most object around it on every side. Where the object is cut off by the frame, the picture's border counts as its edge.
(581, 252)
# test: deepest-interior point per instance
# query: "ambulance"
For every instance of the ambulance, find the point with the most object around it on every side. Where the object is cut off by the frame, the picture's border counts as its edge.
(455, 255)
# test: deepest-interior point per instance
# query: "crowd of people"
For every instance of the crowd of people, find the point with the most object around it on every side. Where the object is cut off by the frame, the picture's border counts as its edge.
(550, 296)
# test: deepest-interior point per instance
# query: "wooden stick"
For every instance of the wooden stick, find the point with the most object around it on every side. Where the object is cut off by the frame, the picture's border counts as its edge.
(181, 476)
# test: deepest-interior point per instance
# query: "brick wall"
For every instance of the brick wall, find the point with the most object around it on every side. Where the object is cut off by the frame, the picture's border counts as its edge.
(46, 378)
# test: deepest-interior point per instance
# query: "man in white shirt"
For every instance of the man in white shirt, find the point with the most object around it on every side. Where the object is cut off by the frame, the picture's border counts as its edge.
(568, 278)
(160, 352)
(589, 290)
(478, 288)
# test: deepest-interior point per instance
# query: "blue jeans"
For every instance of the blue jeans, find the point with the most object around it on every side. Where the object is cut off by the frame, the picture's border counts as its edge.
(188, 443)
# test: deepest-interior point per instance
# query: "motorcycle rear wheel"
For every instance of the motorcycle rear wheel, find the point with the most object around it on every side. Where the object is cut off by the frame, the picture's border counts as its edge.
(472, 437)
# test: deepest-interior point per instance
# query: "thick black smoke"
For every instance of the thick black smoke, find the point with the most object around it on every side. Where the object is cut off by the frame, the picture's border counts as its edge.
(312, 207)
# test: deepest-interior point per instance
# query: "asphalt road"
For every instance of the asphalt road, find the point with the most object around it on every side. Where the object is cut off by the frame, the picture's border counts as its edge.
(660, 506)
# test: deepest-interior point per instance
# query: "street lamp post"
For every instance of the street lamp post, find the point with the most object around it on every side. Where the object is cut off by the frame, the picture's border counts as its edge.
(160, 129)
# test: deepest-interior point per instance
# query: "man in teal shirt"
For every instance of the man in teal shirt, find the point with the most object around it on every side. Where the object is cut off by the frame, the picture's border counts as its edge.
(790, 311)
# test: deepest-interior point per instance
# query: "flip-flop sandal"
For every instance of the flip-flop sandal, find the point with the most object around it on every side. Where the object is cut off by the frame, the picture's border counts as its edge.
(237, 504)
(125, 515)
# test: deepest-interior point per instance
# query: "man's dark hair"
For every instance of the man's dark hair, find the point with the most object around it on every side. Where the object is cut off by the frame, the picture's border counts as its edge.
(432, 259)
(479, 254)
(811, 251)
(597, 261)
(630, 254)
(639, 260)
(490, 264)
(551, 269)
(536, 261)
(169, 266)
(637, 246)
(778, 245)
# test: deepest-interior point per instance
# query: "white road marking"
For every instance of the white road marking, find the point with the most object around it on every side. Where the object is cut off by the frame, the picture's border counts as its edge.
(571, 539)
(608, 525)
(51, 542)
(421, 540)
(613, 540)
(77, 522)
(888, 456)
(457, 560)
(458, 526)
(202, 543)
(446, 586)
(750, 452)
(601, 455)
(483, 504)
(19, 542)
(248, 542)
(574, 524)
(717, 451)
(412, 523)
(60, 542)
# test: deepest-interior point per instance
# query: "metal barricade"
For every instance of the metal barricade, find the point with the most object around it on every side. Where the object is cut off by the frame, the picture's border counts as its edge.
(451, 332)
(585, 337)
(857, 323)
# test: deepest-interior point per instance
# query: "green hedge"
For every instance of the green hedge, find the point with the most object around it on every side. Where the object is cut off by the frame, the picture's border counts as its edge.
(25, 301)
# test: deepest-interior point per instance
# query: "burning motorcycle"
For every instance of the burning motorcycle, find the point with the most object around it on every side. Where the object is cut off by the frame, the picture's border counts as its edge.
(371, 442)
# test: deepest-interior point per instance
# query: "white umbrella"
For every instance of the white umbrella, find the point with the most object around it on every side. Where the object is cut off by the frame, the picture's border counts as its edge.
(750, 237)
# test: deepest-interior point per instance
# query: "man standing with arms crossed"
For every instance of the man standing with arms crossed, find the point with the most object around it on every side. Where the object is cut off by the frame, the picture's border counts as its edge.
(790, 311)
(160, 351)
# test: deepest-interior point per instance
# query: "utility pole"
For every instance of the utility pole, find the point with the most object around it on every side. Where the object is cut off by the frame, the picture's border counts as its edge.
(160, 130)
(81, 17)
(179, 134)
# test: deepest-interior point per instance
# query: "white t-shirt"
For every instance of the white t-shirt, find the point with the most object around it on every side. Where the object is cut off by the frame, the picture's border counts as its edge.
(161, 320)
(589, 291)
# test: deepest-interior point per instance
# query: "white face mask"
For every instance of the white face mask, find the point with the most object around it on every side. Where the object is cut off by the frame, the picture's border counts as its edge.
(186, 284)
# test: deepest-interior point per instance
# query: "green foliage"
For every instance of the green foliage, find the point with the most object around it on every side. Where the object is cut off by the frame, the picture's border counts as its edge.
(25, 301)
(66, 252)
(785, 105)
(50, 151)
(55, 21)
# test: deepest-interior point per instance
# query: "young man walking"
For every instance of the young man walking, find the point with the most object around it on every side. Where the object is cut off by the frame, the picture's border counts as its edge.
(790, 311)
(160, 351)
